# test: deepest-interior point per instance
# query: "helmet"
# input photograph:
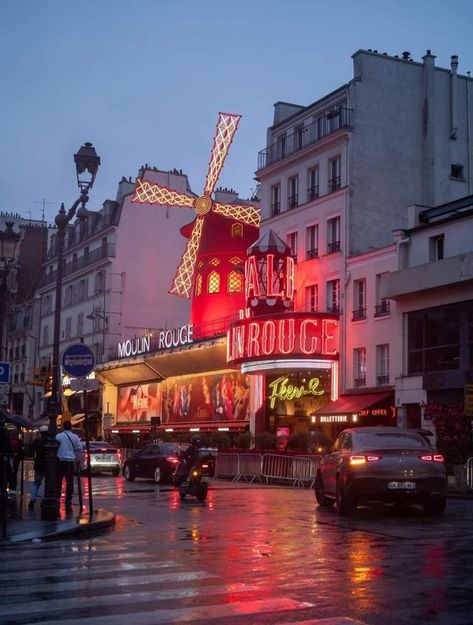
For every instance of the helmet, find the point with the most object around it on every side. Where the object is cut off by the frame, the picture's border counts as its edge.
(43, 428)
(196, 440)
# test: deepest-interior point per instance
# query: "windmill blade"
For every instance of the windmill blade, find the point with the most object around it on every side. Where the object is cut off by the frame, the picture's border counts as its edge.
(247, 214)
(182, 283)
(147, 193)
(226, 128)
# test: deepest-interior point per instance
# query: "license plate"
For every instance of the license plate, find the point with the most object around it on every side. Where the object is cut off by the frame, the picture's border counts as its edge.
(402, 485)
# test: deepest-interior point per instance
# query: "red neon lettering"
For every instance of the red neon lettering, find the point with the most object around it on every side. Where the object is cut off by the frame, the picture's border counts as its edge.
(271, 277)
(329, 345)
(286, 338)
(290, 277)
(303, 337)
(253, 336)
(251, 278)
(268, 338)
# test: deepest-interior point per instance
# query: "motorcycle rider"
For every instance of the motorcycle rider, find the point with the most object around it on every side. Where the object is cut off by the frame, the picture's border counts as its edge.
(190, 456)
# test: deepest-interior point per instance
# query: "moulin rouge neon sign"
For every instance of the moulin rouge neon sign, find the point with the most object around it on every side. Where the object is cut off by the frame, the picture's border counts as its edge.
(286, 335)
(282, 390)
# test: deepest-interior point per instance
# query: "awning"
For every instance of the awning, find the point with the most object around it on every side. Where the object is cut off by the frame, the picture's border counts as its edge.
(358, 404)
(203, 427)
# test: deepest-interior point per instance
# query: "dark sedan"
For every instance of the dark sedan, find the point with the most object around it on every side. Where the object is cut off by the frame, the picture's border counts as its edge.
(157, 462)
(387, 464)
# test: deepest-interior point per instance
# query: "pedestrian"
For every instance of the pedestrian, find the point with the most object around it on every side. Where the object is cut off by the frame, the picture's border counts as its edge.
(18, 450)
(69, 450)
(39, 453)
(6, 459)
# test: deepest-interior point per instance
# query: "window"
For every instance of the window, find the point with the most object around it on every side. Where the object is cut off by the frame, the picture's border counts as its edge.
(68, 330)
(237, 230)
(333, 295)
(359, 367)
(299, 137)
(235, 282)
(83, 289)
(68, 295)
(359, 299)
(198, 284)
(312, 241)
(382, 364)
(74, 261)
(275, 199)
(80, 324)
(213, 282)
(333, 235)
(437, 337)
(293, 192)
(45, 336)
(281, 146)
(382, 304)
(436, 247)
(291, 240)
(334, 170)
(313, 183)
(333, 119)
(456, 171)
(312, 298)
(99, 282)
(86, 255)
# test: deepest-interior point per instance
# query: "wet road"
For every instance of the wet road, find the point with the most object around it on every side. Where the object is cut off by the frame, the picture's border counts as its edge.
(248, 555)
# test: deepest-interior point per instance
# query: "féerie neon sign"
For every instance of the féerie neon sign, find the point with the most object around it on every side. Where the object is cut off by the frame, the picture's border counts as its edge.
(282, 390)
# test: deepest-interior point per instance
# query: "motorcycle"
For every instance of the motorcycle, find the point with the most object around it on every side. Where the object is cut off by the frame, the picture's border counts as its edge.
(193, 482)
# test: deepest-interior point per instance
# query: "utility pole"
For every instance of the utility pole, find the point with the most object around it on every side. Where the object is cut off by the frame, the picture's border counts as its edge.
(43, 202)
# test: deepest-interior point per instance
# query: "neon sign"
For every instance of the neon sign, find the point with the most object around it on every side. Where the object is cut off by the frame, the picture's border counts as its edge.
(282, 390)
(288, 335)
(276, 281)
(164, 339)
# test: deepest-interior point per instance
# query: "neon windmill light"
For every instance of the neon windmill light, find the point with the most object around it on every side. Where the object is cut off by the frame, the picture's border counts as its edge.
(213, 248)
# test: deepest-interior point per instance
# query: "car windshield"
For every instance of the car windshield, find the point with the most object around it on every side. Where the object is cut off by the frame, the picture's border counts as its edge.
(389, 440)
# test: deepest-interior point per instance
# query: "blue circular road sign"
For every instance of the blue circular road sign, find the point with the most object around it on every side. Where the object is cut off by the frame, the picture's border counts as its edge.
(78, 360)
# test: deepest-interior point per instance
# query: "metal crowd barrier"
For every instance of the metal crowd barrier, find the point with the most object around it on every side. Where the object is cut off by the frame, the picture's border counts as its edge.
(469, 473)
(268, 468)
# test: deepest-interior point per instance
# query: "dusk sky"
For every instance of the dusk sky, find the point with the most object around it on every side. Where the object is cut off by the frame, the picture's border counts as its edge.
(144, 80)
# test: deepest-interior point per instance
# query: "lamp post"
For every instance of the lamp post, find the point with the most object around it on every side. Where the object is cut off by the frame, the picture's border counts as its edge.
(87, 163)
(8, 242)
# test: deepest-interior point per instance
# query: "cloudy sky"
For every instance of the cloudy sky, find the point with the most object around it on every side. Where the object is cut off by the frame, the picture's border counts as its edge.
(144, 80)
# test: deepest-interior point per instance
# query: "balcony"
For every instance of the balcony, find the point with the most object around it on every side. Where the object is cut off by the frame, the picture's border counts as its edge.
(275, 209)
(101, 253)
(359, 382)
(358, 314)
(333, 308)
(381, 380)
(328, 121)
(333, 247)
(312, 193)
(382, 309)
(293, 201)
(334, 184)
(310, 254)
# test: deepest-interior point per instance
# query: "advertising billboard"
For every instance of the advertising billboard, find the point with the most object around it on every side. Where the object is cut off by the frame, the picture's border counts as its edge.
(210, 397)
(138, 403)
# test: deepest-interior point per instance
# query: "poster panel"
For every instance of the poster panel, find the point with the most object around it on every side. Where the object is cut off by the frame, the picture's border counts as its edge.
(139, 402)
(212, 397)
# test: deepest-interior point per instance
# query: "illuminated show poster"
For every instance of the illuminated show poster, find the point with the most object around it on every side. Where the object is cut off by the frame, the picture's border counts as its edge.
(139, 402)
(211, 397)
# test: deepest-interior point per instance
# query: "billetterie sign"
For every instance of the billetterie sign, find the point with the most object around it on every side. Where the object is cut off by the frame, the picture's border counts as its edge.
(161, 340)
(296, 335)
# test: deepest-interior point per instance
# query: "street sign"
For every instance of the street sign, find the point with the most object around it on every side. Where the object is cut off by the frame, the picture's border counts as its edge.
(83, 384)
(4, 372)
(78, 360)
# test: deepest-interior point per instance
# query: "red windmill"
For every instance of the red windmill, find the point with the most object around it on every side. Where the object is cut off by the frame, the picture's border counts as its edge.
(211, 268)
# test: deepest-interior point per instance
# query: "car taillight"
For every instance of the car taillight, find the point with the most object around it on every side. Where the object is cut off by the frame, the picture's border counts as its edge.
(432, 458)
(205, 466)
(172, 459)
(357, 460)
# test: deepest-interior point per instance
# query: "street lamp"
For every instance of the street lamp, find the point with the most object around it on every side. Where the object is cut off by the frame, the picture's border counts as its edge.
(87, 163)
(8, 242)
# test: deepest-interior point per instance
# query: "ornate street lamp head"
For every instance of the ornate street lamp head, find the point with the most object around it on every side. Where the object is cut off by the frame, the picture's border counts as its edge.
(87, 164)
(8, 242)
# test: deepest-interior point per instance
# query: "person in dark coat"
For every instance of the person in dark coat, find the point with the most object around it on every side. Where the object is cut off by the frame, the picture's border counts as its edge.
(6, 460)
(38, 450)
(18, 450)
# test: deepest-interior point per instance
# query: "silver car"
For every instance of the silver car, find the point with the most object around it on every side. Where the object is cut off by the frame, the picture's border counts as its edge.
(104, 458)
(387, 464)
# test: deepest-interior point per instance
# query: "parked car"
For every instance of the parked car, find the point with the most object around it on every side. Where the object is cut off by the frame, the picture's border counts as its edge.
(103, 458)
(157, 461)
(387, 464)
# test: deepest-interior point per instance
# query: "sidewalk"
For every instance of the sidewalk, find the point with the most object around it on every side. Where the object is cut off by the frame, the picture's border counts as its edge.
(24, 525)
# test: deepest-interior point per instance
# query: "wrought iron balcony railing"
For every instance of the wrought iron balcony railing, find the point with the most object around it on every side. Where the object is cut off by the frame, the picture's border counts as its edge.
(333, 247)
(328, 121)
(293, 201)
(357, 382)
(382, 309)
(275, 209)
(105, 251)
(334, 184)
(360, 313)
(312, 193)
(382, 380)
(314, 253)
